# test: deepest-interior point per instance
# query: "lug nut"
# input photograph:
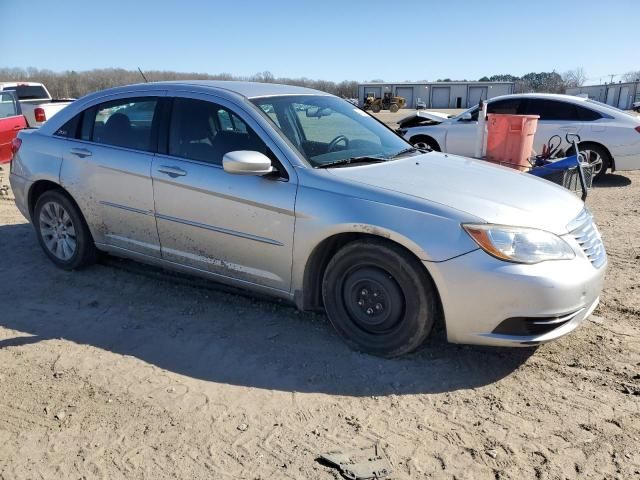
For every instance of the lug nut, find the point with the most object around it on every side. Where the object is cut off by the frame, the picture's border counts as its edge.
(369, 311)
(364, 292)
(378, 306)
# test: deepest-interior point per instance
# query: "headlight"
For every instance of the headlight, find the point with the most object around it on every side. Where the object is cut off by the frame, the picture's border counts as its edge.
(519, 244)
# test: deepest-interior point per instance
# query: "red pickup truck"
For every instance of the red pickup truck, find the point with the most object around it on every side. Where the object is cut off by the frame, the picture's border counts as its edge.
(11, 122)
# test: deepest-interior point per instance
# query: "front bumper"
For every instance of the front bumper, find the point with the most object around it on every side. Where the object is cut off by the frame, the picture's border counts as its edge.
(481, 294)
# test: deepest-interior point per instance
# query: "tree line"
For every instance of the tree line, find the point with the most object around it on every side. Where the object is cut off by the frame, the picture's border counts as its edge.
(74, 84)
(552, 82)
(549, 82)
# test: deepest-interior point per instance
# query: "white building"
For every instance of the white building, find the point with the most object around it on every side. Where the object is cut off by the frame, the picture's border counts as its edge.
(620, 95)
(437, 94)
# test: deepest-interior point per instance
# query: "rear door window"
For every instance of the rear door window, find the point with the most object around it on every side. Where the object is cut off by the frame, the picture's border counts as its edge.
(122, 123)
(551, 110)
(587, 115)
(8, 105)
(70, 128)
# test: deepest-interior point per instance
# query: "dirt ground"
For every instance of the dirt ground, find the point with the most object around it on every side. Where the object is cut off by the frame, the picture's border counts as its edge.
(124, 371)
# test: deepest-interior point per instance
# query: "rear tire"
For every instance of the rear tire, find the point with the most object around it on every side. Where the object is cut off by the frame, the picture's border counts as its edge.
(379, 298)
(62, 231)
(394, 108)
(375, 108)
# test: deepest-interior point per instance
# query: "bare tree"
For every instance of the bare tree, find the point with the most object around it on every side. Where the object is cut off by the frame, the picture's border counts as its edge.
(631, 76)
(574, 78)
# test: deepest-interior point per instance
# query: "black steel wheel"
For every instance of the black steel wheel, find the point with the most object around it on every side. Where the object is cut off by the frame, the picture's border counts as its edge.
(379, 298)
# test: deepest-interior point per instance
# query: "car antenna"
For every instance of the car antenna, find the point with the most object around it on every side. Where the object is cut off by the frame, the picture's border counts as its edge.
(145, 78)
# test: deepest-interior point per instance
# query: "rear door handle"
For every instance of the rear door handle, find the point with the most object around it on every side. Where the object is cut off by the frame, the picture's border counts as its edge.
(17, 127)
(81, 152)
(173, 172)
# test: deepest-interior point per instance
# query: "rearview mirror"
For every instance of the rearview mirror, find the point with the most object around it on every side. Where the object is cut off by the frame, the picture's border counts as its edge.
(466, 117)
(317, 112)
(246, 162)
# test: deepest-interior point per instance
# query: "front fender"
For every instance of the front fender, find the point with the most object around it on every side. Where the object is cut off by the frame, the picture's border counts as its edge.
(320, 214)
(437, 132)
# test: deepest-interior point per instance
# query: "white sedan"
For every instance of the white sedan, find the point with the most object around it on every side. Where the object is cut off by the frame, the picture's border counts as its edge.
(609, 138)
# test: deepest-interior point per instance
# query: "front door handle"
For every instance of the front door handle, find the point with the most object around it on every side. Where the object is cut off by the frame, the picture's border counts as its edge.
(18, 127)
(81, 152)
(173, 172)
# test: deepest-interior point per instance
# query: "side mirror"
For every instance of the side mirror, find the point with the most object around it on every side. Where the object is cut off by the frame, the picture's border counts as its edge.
(246, 162)
(465, 117)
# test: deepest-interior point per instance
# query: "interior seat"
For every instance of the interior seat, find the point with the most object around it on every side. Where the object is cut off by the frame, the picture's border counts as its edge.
(118, 131)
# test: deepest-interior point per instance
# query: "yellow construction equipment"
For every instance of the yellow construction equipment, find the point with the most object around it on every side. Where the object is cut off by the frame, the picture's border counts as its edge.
(387, 102)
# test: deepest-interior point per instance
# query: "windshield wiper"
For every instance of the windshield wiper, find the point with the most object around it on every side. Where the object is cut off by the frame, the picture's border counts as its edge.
(406, 150)
(410, 150)
(352, 160)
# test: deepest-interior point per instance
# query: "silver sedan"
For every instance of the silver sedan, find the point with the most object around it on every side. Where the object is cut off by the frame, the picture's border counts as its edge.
(304, 196)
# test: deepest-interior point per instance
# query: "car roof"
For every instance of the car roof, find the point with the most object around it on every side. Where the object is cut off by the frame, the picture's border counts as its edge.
(244, 89)
(223, 88)
(549, 96)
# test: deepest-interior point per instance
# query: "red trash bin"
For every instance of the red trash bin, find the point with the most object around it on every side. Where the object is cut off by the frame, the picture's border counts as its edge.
(510, 139)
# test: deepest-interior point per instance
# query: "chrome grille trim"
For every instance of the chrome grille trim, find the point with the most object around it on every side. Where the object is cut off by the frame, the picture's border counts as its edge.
(586, 233)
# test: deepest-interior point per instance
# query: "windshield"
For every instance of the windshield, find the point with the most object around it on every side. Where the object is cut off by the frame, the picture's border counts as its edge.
(328, 130)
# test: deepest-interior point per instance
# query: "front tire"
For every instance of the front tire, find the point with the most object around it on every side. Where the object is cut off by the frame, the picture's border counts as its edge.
(379, 298)
(62, 232)
(424, 142)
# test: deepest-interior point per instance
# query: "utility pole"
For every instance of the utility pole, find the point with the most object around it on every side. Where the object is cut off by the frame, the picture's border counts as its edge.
(612, 75)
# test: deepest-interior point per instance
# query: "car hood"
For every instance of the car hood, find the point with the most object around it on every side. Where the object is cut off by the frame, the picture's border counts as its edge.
(493, 193)
(422, 116)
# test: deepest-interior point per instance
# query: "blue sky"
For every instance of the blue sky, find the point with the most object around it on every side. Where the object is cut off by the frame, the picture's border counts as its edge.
(327, 39)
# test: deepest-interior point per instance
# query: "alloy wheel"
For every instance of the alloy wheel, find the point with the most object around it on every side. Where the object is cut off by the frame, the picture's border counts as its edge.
(58, 231)
(594, 159)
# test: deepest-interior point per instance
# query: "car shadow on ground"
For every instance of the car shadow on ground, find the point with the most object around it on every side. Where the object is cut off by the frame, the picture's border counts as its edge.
(612, 180)
(209, 332)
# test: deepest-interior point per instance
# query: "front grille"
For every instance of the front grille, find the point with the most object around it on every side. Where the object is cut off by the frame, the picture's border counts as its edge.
(588, 237)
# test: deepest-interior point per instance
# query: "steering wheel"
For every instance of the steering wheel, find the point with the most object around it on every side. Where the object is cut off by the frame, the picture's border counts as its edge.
(334, 143)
